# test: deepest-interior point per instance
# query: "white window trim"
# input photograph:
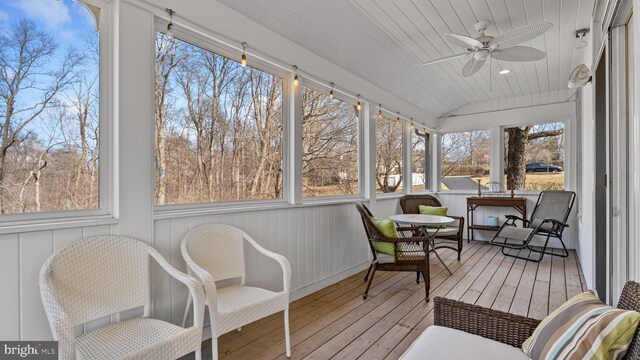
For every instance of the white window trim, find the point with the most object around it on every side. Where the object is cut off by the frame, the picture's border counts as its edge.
(303, 82)
(192, 209)
(108, 124)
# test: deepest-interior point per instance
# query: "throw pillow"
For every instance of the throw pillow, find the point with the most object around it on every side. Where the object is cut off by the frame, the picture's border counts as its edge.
(388, 228)
(583, 328)
(433, 210)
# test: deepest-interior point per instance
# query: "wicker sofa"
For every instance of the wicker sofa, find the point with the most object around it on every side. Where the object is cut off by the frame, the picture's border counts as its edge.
(491, 334)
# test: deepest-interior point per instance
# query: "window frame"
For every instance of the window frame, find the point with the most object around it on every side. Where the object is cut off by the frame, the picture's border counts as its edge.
(307, 83)
(439, 158)
(566, 173)
(204, 42)
(108, 154)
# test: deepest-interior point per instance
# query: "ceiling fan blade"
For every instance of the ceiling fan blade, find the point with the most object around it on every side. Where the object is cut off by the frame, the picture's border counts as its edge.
(519, 35)
(472, 66)
(441, 59)
(464, 41)
(518, 54)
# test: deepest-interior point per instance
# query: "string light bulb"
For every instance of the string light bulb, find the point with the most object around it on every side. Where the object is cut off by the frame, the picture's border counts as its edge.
(412, 123)
(331, 92)
(243, 59)
(170, 24)
(295, 77)
(379, 111)
(398, 118)
(359, 106)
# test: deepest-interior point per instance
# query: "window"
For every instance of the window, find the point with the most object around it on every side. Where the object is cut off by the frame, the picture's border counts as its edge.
(420, 159)
(534, 157)
(330, 145)
(49, 105)
(388, 156)
(218, 127)
(465, 159)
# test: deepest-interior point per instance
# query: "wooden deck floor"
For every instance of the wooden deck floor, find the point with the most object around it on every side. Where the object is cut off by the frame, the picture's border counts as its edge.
(336, 323)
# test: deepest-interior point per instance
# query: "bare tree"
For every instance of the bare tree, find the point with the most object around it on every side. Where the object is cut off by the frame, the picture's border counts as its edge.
(24, 55)
(388, 154)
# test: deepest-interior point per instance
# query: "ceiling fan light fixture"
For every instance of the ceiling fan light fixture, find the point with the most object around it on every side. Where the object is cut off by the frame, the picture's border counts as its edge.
(504, 71)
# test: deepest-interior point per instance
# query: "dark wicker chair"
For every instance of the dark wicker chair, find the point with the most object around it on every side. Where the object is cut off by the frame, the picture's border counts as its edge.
(409, 252)
(410, 205)
(513, 329)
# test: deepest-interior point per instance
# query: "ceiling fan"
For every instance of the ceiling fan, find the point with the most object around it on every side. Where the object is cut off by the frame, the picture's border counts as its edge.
(502, 47)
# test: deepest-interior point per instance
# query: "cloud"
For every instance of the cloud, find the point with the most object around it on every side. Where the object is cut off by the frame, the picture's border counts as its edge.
(3, 16)
(51, 12)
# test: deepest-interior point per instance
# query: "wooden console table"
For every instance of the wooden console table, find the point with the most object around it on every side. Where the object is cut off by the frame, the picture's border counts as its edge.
(473, 202)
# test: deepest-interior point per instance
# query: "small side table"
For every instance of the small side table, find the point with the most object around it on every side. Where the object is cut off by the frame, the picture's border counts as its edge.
(474, 202)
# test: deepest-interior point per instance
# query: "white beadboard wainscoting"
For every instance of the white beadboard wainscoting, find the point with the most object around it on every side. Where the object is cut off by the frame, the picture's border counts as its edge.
(22, 316)
(324, 244)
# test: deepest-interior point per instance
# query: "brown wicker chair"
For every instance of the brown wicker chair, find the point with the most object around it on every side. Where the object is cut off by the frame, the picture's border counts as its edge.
(514, 329)
(409, 254)
(410, 205)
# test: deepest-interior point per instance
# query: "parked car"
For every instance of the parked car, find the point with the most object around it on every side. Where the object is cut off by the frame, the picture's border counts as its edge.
(543, 167)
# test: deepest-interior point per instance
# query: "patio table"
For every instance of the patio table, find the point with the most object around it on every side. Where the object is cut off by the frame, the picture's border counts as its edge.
(428, 225)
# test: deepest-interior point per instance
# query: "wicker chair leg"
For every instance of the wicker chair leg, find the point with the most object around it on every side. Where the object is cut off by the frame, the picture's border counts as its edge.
(374, 264)
(214, 346)
(418, 277)
(366, 277)
(427, 285)
(287, 338)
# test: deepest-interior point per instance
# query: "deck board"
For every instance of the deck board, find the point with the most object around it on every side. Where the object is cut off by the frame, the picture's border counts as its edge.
(336, 323)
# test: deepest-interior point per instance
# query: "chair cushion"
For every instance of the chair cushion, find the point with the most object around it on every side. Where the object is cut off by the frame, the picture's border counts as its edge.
(137, 339)
(445, 231)
(443, 343)
(583, 328)
(385, 258)
(388, 228)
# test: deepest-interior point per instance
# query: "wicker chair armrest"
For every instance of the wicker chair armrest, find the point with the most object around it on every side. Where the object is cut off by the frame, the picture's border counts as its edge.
(411, 239)
(284, 263)
(496, 325)
(195, 287)
(59, 320)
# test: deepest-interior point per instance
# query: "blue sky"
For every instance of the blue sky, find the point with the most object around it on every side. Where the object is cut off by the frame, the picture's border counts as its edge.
(65, 20)
(69, 24)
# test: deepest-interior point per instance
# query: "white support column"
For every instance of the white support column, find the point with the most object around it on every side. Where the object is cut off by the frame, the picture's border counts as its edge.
(136, 124)
(369, 151)
(407, 175)
(497, 158)
(435, 161)
(295, 142)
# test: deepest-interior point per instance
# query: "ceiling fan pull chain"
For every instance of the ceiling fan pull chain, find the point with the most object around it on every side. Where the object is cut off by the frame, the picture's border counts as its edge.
(490, 76)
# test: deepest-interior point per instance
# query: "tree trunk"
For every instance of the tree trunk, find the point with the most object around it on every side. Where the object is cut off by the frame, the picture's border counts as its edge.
(516, 161)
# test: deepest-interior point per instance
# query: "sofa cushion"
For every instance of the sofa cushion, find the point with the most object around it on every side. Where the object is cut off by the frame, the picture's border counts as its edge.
(583, 328)
(443, 343)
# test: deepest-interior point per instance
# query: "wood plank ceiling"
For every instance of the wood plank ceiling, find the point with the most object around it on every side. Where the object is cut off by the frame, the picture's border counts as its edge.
(383, 40)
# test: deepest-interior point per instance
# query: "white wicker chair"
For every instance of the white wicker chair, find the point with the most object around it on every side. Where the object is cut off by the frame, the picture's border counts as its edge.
(103, 275)
(215, 252)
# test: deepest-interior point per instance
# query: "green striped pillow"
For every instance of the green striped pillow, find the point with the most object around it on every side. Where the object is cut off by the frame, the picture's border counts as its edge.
(583, 328)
